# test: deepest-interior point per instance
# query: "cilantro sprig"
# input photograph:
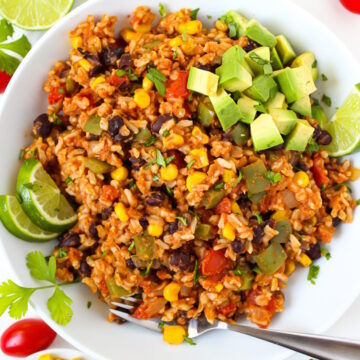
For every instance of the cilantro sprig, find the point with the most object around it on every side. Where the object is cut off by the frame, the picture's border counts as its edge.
(313, 273)
(15, 298)
(158, 79)
(273, 177)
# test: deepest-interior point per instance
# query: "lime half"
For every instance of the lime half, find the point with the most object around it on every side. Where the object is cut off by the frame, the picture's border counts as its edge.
(345, 126)
(17, 222)
(41, 198)
(34, 14)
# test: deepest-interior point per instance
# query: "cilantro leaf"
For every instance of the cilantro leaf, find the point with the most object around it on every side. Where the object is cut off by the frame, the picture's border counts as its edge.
(20, 46)
(219, 186)
(326, 100)
(175, 55)
(59, 305)
(324, 77)
(258, 217)
(39, 268)
(273, 177)
(325, 252)
(169, 159)
(190, 164)
(238, 179)
(158, 79)
(313, 273)
(312, 146)
(196, 272)
(239, 272)
(189, 341)
(8, 63)
(162, 10)
(193, 13)
(182, 219)
(159, 158)
(6, 30)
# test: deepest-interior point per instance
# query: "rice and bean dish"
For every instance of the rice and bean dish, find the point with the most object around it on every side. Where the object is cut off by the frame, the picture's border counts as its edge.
(181, 198)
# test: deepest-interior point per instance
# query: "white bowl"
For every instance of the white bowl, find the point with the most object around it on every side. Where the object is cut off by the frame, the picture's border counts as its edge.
(308, 308)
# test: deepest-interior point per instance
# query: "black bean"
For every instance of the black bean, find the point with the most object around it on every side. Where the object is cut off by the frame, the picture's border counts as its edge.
(160, 120)
(42, 126)
(301, 166)
(250, 46)
(70, 240)
(173, 227)
(324, 138)
(258, 234)
(105, 214)
(93, 231)
(155, 199)
(314, 252)
(243, 201)
(238, 246)
(93, 137)
(208, 67)
(295, 158)
(85, 269)
(137, 163)
(96, 70)
(109, 56)
(124, 62)
(114, 125)
(277, 147)
(328, 210)
(143, 222)
(270, 222)
(336, 221)
(130, 264)
(317, 132)
(180, 259)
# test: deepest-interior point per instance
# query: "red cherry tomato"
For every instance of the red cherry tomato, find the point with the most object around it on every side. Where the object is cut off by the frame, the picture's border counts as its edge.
(352, 5)
(26, 337)
(4, 80)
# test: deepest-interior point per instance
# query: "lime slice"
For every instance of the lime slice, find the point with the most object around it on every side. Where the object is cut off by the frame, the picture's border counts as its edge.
(17, 222)
(41, 198)
(34, 14)
(345, 126)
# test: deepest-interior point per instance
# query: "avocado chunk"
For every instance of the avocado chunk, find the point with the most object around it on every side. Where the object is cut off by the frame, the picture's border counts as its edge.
(302, 106)
(258, 58)
(235, 22)
(202, 81)
(247, 109)
(238, 54)
(275, 59)
(295, 83)
(240, 133)
(277, 102)
(234, 77)
(317, 113)
(255, 31)
(307, 59)
(284, 49)
(298, 139)
(263, 87)
(264, 133)
(285, 120)
(226, 109)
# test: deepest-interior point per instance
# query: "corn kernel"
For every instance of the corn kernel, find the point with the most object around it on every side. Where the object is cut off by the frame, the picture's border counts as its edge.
(46, 357)
(173, 141)
(100, 79)
(290, 267)
(200, 135)
(280, 215)
(176, 41)
(155, 230)
(129, 35)
(147, 84)
(313, 221)
(355, 174)
(228, 176)
(221, 26)
(194, 179)
(85, 64)
(143, 28)
(120, 174)
(171, 292)
(121, 212)
(219, 287)
(228, 232)
(192, 27)
(304, 260)
(142, 98)
(174, 334)
(76, 42)
(301, 179)
(169, 172)
(188, 47)
(235, 208)
(200, 156)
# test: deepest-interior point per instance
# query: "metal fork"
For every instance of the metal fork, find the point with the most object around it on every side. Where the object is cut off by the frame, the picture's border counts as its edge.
(319, 346)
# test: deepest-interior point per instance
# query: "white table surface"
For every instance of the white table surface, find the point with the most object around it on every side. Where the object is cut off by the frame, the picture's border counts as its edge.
(347, 27)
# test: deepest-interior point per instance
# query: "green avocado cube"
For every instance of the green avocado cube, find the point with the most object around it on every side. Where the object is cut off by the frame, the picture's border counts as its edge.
(277, 102)
(317, 113)
(255, 31)
(264, 133)
(226, 109)
(263, 87)
(302, 106)
(285, 120)
(275, 59)
(307, 59)
(257, 58)
(234, 77)
(237, 53)
(295, 83)
(299, 137)
(202, 81)
(247, 108)
(284, 49)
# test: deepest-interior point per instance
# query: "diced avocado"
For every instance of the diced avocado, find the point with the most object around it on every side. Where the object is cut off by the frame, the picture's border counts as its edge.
(255, 31)
(284, 49)
(285, 120)
(264, 133)
(296, 83)
(277, 102)
(307, 59)
(275, 59)
(237, 53)
(235, 20)
(247, 108)
(234, 77)
(257, 58)
(319, 115)
(240, 133)
(302, 106)
(202, 81)
(205, 113)
(226, 109)
(263, 87)
(298, 139)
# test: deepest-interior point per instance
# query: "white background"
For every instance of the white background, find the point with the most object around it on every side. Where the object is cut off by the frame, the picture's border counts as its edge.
(347, 27)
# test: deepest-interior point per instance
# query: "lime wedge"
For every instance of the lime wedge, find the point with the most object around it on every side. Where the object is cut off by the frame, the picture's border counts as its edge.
(34, 14)
(345, 126)
(17, 222)
(41, 198)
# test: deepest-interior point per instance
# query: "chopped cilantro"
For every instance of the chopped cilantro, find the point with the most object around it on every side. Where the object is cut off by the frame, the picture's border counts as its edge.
(189, 341)
(258, 217)
(238, 179)
(170, 191)
(312, 146)
(358, 202)
(219, 186)
(61, 253)
(324, 77)
(313, 273)
(69, 181)
(326, 100)
(162, 10)
(156, 178)
(196, 272)
(131, 245)
(190, 96)
(209, 16)
(120, 72)
(132, 184)
(149, 165)
(166, 133)
(239, 272)
(273, 177)
(193, 13)
(103, 254)
(158, 79)
(325, 252)
(169, 159)
(148, 268)
(175, 55)
(190, 164)
(151, 141)
(89, 303)
(256, 270)
(184, 36)
(159, 158)
(161, 325)
(182, 219)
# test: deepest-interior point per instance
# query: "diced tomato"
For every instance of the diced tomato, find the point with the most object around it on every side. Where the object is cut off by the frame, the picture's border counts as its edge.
(318, 171)
(214, 262)
(223, 207)
(178, 88)
(118, 80)
(109, 193)
(4, 80)
(228, 309)
(150, 309)
(56, 94)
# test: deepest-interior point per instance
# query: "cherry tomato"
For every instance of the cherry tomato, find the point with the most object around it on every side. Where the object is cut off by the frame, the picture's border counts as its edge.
(4, 80)
(178, 88)
(352, 5)
(26, 337)
(214, 262)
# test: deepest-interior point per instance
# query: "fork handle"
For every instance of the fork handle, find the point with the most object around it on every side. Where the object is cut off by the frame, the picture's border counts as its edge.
(318, 346)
